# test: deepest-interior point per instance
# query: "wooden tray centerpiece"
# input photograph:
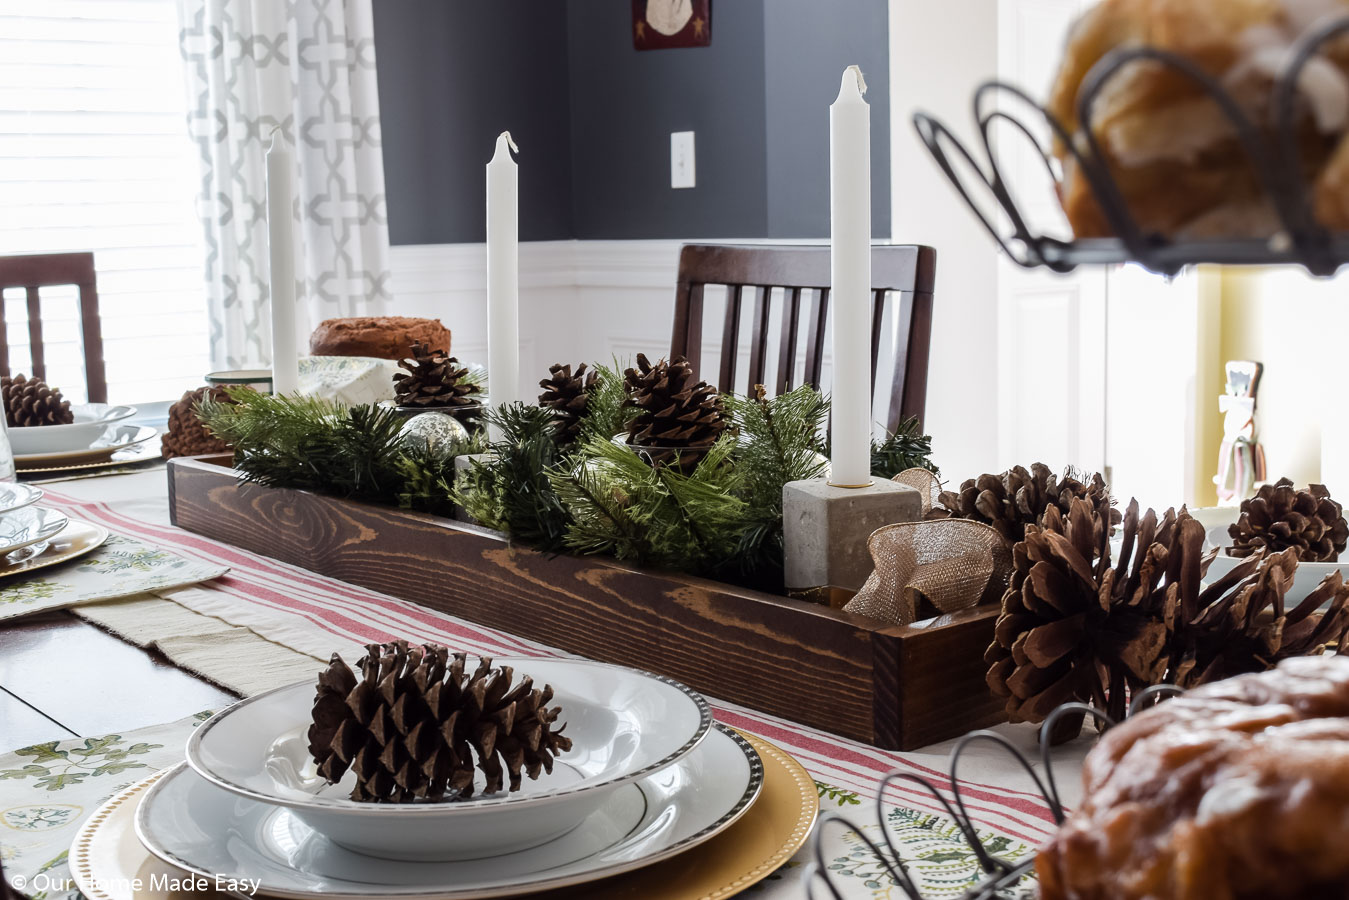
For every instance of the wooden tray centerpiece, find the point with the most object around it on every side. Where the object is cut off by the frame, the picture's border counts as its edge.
(897, 687)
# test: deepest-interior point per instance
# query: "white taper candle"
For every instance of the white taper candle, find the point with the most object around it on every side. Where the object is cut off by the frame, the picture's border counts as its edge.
(281, 249)
(503, 275)
(850, 277)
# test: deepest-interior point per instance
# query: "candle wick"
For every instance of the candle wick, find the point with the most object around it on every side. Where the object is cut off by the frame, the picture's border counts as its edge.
(861, 82)
(505, 138)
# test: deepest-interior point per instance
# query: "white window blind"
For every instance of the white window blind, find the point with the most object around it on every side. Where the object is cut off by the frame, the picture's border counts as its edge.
(94, 155)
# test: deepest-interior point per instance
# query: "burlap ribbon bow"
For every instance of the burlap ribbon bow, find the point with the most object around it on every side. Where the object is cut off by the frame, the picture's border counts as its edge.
(927, 568)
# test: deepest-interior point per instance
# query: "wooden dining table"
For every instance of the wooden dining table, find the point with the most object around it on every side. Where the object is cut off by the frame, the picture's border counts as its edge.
(63, 677)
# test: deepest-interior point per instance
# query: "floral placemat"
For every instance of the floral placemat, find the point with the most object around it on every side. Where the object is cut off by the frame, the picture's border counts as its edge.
(122, 567)
(932, 846)
(47, 791)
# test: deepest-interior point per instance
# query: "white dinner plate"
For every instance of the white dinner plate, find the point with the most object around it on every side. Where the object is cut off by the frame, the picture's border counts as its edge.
(29, 525)
(188, 822)
(115, 438)
(623, 725)
(14, 495)
(91, 420)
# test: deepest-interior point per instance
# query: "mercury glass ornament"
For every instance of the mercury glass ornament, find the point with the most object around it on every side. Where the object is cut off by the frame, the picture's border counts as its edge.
(437, 433)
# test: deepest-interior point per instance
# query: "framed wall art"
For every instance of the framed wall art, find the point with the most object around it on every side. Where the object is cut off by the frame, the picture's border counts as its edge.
(666, 24)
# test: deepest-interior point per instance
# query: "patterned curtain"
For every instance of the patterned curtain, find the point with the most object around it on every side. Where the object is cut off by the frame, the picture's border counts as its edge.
(306, 70)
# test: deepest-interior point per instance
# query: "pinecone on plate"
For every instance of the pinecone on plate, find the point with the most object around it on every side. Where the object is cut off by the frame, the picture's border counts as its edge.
(31, 401)
(1280, 517)
(1017, 498)
(412, 722)
(433, 380)
(679, 416)
(567, 395)
(186, 435)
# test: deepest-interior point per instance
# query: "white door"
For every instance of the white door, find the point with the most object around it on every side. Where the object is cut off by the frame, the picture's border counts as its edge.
(1051, 328)
(1099, 369)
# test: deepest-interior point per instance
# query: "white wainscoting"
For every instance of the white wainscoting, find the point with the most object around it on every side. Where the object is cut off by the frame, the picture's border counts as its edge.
(579, 300)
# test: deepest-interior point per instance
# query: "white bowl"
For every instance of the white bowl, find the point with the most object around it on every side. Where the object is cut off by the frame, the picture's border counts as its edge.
(623, 724)
(91, 420)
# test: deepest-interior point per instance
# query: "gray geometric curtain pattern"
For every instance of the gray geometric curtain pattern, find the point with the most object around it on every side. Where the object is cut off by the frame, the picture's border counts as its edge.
(306, 67)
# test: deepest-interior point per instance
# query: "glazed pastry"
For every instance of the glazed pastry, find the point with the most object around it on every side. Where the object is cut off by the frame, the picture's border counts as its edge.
(383, 337)
(1238, 790)
(1174, 154)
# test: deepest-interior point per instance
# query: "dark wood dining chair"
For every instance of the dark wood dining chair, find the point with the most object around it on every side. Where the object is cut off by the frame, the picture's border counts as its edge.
(750, 275)
(36, 271)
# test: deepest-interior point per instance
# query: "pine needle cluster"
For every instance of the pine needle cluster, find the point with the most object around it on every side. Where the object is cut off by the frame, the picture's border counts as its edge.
(904, 448)
(309, 443)
(607, 412)
(512, 491)
(654, 516)
(779, 442)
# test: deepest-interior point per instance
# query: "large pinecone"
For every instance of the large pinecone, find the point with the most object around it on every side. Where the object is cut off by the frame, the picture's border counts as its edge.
(30, 401)
(1249, 629)
(186, 434)
(1280, 517)
(567, 395)
(679, 415)
(412, 723)
(434, 381)
(1073, 628)
(1017, 498)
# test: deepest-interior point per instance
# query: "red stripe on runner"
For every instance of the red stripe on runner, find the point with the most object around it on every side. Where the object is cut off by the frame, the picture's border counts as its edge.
(245, 561)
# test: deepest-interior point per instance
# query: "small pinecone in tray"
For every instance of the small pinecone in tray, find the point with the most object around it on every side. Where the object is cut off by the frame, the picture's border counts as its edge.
(434, 381)
(676, 411)
(31, 401)
(1280, 517)
(1017, 498)
(567, 395)
(186, 435)
(412, 720)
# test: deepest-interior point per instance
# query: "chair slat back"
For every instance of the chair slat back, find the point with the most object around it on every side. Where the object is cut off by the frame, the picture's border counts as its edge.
(36, 271)
(901, 274)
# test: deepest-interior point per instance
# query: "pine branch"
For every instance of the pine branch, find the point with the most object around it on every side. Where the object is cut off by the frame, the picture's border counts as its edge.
(780, 443)
(906, 448)
(606, 414)
(512, 492)
(600, 519)
(309, 443)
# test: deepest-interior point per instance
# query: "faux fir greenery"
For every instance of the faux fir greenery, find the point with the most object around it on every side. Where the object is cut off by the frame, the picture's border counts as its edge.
(313, 444)
(595, 496)
(513, 492)
(904, 448)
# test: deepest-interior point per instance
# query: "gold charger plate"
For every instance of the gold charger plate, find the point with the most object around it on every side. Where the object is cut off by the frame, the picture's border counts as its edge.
(75, 540)
(107, 859)
(746, 853)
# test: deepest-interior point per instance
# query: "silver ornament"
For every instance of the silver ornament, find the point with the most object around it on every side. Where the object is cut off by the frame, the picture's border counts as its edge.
(437, 433)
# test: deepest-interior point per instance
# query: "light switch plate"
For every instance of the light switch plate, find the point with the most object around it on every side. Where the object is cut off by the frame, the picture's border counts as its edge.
(681, 159)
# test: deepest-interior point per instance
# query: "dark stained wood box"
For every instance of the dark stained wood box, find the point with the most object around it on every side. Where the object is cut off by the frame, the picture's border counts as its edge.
(891, 686)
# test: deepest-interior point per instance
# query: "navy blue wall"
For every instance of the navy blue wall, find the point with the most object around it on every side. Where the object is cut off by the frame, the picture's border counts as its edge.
(593, 117)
